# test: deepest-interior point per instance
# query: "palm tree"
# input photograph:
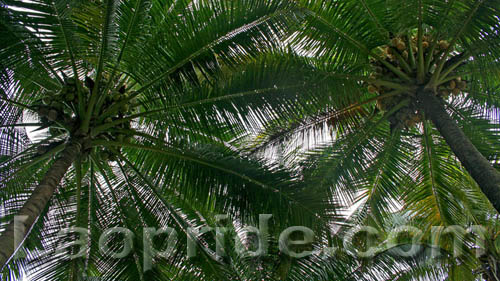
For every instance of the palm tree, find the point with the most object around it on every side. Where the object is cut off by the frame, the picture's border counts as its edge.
(402, 95)
(136, 107)
(401, 111)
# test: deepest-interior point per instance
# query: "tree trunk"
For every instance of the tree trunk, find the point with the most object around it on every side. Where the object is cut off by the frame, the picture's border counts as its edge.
(474, 162)
(10, 239)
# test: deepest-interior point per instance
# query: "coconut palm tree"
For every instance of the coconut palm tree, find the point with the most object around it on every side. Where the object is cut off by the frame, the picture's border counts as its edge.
(412, 102)
(401, 111)
(134, 106)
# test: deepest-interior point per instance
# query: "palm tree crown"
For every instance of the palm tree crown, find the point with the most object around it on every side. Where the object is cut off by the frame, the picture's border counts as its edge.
(401, 109)
(136, 119)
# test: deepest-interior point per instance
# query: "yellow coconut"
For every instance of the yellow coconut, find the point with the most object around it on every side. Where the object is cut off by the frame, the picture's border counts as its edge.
(372, 89)
(443, 44)
(381, 105)
(452, 84)
(401, 46)
(410, 123)
(445, 93)
(462, 85)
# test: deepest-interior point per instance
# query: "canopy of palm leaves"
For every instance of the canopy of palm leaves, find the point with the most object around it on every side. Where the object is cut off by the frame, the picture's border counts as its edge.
(159, 154)
(209, 94)
(355, 56)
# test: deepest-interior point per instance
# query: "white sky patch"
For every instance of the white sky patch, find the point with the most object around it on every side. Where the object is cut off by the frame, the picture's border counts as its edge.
(34, 134)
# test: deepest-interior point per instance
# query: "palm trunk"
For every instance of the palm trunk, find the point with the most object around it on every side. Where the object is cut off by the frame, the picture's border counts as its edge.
(37, 202)
(474, 162)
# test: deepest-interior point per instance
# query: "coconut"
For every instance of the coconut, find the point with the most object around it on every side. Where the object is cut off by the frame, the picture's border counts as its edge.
(462, 85)
(445, 93)
(452, 84)
(69, 97)
(52, 115)
(116, 96)
(425, 44)
(380, 105)
(455, 91)
(46, 100)
(57, 105)
(372, 89)
(395, 41)
(409, 123)
(124, 108)
(443, 45)
(43, 111)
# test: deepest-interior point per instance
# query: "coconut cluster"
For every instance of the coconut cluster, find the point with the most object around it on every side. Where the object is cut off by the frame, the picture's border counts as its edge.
(454, 87)
(118, 133)
(402, 54)
(58, 111)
